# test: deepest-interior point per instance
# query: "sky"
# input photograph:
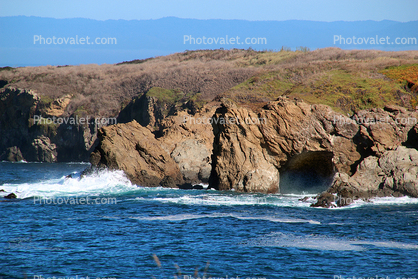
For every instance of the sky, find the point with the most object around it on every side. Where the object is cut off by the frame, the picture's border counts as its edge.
(317, 10)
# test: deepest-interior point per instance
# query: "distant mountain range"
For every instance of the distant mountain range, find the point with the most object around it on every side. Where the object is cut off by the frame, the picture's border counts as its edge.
(29, 41)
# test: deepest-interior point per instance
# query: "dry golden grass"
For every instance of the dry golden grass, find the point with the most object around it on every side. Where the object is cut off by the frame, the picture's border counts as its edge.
(100, 90)
(345, 80)
(243, 75)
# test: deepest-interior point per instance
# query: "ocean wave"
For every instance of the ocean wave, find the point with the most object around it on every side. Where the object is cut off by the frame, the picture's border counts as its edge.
(17, 162)
(104, 182)
(115, 183)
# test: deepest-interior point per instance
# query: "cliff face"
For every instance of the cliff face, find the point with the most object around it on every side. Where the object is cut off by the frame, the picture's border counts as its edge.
(23, 137)
(288, 137)
(315, 149)
(289, 146)
(180, 157)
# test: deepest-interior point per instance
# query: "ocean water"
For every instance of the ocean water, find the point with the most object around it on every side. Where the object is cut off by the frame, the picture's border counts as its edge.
(102, 226)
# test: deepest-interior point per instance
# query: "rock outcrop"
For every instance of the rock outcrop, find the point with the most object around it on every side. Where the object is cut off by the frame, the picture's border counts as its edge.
(13, 154)
(287, 136)
(179, 157)
(133, 148)
(312, 147)
(25, 137)
(395, 173)
(43, 150)
(285, 147)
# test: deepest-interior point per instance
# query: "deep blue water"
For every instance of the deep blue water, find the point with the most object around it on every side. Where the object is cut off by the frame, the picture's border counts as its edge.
(218, 233)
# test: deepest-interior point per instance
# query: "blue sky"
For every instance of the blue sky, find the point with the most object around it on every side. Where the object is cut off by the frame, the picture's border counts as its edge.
(318, 10)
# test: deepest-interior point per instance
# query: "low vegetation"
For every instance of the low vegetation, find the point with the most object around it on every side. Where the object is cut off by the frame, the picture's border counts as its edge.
(345, 80)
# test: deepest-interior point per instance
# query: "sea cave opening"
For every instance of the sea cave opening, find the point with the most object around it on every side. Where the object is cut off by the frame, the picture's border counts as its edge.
(307, 173)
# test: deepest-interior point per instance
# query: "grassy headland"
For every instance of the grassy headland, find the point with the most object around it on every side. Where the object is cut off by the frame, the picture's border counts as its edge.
(345, 80)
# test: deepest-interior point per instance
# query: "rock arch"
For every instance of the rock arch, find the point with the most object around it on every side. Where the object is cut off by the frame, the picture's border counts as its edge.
(307, 173)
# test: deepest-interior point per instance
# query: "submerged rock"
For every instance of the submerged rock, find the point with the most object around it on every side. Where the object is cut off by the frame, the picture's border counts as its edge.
(326, 200)
(10, 196)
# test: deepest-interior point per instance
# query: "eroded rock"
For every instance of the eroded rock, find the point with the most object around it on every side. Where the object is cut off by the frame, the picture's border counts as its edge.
(43, 150)
(395, 173)
(288, 142)
(12, 154)
(135, 150)
(250, 154)
(11, 196)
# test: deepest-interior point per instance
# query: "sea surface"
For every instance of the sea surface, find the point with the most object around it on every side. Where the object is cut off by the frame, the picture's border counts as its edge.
(102, 226)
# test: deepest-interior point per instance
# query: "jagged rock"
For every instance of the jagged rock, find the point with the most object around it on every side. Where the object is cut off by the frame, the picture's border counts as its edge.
(400, 168)
(135, 150)
(256, 152)
(325, 199)
(43, 150)
(239, 161)
(11, 196)
(193, 160)
(249, 155)
(142, 109)
(189, 141)
(18, 128)
(12, 154)
(385, 129)
(395, 173)
(184, 138)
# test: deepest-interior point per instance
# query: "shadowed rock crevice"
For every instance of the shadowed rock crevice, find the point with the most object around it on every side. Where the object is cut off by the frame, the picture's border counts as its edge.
(307, 173)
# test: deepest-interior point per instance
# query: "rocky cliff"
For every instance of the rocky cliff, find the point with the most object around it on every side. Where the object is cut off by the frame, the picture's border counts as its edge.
(29, 132)
(288, 137)
(313, 149)
(179, 157)
(289, 146)
(219, 117)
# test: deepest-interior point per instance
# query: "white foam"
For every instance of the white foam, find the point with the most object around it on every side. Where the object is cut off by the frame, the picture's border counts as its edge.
(279, 220)
(182, 217)
(223, 199)
(102, 182)
(393, 200)
(279, 239)
(388, 244)
(379, 201)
